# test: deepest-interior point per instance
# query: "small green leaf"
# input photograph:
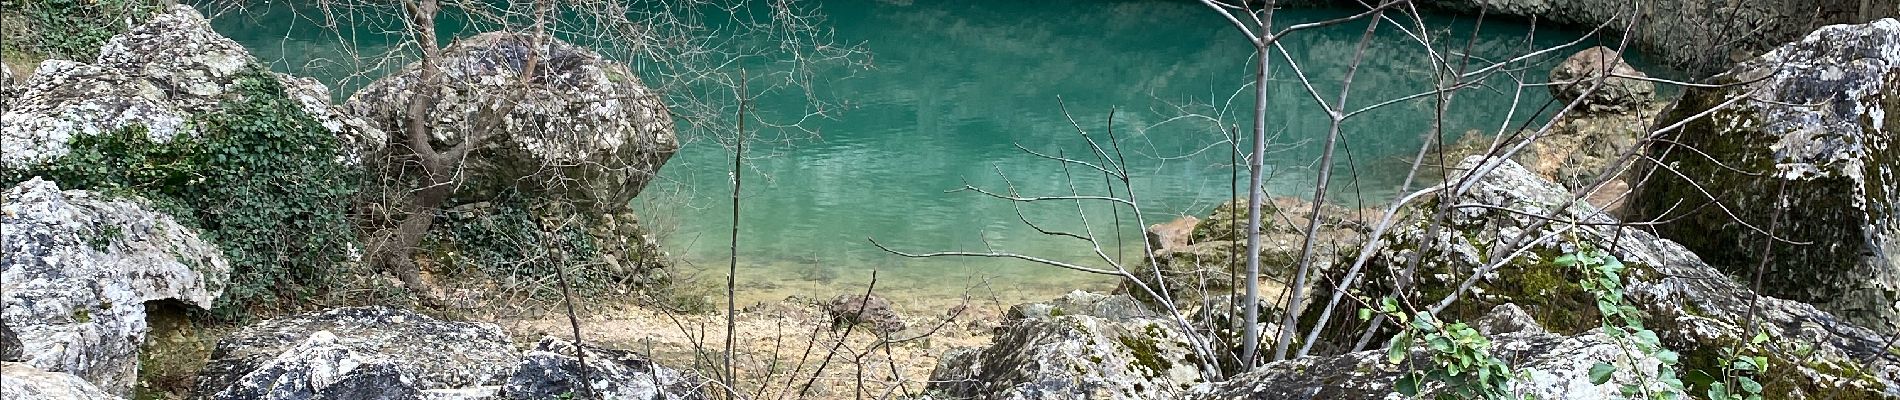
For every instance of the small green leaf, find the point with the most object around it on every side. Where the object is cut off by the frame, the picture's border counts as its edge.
(1423, 323)
(1760, 337)
(1407, 385)
(1600, 373)
(1748, 384)
(1718, 391)
(1566, 260)
(1365, 314)
(1396, 353)
(1668, 357)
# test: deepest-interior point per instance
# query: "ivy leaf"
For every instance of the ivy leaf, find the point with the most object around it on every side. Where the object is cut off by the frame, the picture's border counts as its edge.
(1396, 353)
(1600, 373)
(1718, 391)
(1566, 260)
(1668, 357)
(1407, 385)
(1748, 384)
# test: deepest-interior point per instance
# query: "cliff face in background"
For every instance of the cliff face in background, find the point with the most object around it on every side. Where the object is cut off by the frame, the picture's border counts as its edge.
(1699, 37)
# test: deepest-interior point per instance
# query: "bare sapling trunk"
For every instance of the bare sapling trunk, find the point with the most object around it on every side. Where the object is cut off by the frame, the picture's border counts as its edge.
(440, 175)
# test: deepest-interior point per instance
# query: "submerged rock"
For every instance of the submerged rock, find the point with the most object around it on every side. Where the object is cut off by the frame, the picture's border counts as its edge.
(79, 269)
(1051, 351)
(23, 381)
(1696, 310)
(586, 130)
(551, 371)
(414, 345)
(1808, 157)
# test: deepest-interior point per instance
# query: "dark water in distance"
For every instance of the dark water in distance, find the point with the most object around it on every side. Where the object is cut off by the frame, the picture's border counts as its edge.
(955, 86)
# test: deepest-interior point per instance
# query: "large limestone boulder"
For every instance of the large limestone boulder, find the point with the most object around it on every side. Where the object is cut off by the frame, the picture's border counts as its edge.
(158, 75)
(67, 100)
(550, 370)
(321, 368)
(1062, 351)
(77, 270)
(585, 129)
(23, 381)
(1809, 156)
(1694, 308)
(1550, 367)
(424, 353)
(1573, 79)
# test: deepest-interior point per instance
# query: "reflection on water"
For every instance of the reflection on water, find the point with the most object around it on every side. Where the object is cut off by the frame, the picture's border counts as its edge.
(955, 86)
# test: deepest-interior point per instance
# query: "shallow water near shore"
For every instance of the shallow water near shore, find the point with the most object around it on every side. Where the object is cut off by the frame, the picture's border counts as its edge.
(954, 87)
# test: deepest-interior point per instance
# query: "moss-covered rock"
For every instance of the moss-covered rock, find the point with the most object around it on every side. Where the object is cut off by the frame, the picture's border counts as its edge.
(1810, 156)
(1518, 222)
(1080, 346)
(1212, 261)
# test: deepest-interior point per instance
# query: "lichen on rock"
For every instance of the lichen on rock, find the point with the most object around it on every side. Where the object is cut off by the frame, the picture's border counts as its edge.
(1809, 155)
(586, 131)
(1696, 311)
(79, 269)
(1081, 346)
(414, 345)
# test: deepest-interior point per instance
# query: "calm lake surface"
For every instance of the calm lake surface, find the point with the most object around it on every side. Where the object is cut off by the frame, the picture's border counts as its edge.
(953, 87)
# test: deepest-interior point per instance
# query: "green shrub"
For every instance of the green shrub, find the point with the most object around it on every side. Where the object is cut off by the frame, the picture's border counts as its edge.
(503, 240)
(261, 181)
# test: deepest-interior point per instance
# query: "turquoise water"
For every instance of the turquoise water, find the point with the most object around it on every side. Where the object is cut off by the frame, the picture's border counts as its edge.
(951, 88)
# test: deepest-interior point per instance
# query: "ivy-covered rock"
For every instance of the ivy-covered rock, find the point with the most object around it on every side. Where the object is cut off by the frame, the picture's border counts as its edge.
(66, 100)
(1810, 157)
(158, 75)
(171, 112)
(79, 269)
(551, 371)
(1695, 310)
(1051, 351)
(424, 352)
(522, 237)
(23, 381)
(587, 131)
